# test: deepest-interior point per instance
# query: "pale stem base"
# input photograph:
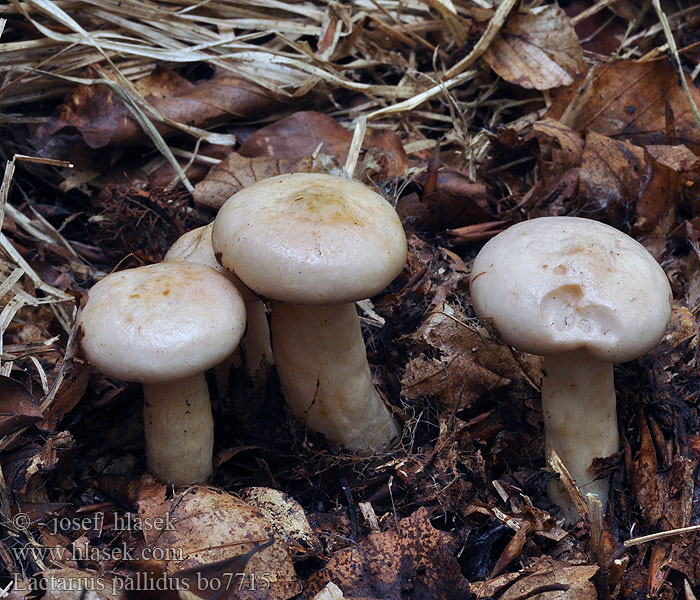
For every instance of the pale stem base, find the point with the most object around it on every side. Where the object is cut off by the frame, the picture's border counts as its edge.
(179, 430)
(580, 421)
(322, 365)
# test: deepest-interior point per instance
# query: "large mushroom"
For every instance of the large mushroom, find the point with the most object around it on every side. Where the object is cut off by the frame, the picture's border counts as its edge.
(195, 246)
(315, 244)
(164, 325)
(585, 296)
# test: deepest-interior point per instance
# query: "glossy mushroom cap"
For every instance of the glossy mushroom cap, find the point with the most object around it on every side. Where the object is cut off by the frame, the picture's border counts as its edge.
(308, 238)
(160, 322)
(195, 247)
(557, 284)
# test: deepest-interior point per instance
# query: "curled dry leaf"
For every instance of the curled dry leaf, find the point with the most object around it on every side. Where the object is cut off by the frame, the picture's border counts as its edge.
(18, 408)
(537, 50)
(410, 562)
(469, 363)
(627, 100)
(449, 199)
(607, 171)
(102, 118)
(529, 520)
(210, 530)
(286, 516)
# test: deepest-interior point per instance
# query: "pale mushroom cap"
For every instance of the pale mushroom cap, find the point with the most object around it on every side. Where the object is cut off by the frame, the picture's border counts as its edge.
(310, 238)
(557, 284)
(160, 322)
(195, 247)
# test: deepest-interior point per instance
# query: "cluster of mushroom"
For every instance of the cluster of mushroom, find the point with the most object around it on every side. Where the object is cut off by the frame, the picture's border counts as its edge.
(310, 244)
(585, 296)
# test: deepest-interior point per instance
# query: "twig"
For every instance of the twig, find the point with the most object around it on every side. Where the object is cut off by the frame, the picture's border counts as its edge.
(674, 50)
(659, 536)
(494, 26)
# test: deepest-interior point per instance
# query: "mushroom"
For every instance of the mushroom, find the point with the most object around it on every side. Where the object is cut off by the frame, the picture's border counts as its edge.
(195, 246)
(315, 244)
(585, 296)
(164, 325)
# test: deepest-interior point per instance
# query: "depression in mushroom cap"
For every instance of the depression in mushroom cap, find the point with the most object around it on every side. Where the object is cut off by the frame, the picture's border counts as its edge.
(557, 284)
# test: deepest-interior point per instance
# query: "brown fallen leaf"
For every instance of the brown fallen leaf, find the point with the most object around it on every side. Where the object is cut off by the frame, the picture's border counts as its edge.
(537, 50)
(560, 148)
(209, 529)
(664, 491)
(529, 520)
(102, 119)
(449, 199)
(18, 408)
(236, 172)
(610, 177)
(646, 484)
(292, 145)
(287, 518)
(68, 395)
(658, 567)
(469, 364)
(627, 100)
(493, 586)
(302, 133)
(411, 562)
(475, 233)
(559, 582)
(668, 168)
(299, 135)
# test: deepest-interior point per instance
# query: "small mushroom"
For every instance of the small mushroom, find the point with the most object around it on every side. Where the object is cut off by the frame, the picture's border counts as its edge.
(585, 296)
(195, 246)
(164, 325)
(316, 244)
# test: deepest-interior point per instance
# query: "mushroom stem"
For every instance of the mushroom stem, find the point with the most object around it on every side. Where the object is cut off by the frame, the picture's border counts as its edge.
(322, 365)
(255, 345)
(580, 421)
(256, 341)
(179, 430)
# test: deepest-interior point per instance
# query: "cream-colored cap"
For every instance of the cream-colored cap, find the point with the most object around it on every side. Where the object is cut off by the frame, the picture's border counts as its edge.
(195, 247)
(160, 322)
(310, 238)
(556, 284)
